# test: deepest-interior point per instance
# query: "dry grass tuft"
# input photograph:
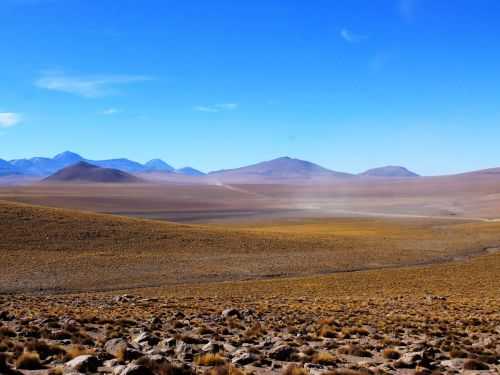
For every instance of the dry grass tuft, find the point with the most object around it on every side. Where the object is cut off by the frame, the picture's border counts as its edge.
(324, 358)
(210, 359)
(29, 361)
(390, 353)
(295, 370)
(76, 350)
(327, 332)
(56, 371)
(224, 370)
(354, 350)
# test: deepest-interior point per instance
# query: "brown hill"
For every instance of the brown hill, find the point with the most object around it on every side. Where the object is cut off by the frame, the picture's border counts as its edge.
(85, 172)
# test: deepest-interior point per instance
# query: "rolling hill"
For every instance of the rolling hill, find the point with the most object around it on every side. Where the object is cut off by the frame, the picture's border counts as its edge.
(85, 172)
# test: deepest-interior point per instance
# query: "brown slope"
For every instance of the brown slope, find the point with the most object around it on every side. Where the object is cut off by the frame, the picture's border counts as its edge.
(85, 172)
(54, 249)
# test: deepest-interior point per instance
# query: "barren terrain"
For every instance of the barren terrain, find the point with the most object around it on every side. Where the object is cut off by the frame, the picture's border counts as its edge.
(263, 280)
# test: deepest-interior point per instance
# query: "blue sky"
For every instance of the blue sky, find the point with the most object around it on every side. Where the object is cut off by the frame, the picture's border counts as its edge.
(218, 84)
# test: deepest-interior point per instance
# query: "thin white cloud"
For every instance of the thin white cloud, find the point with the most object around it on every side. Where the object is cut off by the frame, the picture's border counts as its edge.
(351, 37)
(9, 119)
(86, 86)
(110, 111)
(216, 107)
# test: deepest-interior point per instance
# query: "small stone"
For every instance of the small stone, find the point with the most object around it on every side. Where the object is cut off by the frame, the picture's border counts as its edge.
(231, 313)
(133, 369)
(83, 364)
(242, 357)
(282, 353)
(146, 338)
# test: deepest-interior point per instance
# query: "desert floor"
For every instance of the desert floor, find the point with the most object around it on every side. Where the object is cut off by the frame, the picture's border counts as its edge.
(243, 282)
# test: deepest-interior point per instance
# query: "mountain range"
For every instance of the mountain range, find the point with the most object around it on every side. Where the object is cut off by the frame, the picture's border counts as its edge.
(276, 170)
(279, 170)
(43, 166)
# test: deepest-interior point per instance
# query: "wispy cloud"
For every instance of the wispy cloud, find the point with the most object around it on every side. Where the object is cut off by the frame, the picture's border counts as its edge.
(86, 86)
(9, 119)
(110, 111)
(351, 37)
(216, 107)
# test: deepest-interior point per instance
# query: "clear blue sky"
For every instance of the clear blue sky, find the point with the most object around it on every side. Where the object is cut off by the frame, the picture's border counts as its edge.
(218, 84)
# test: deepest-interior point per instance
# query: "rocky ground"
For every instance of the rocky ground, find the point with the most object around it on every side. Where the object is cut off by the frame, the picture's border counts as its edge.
(133, 334)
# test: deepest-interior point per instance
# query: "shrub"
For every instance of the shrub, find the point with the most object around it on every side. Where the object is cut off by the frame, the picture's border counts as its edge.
(210, 359)
(324, 358)
(29, 361)
(224, 370)
(295, 370)
(354, 350)
(391, 354)
(328, 332)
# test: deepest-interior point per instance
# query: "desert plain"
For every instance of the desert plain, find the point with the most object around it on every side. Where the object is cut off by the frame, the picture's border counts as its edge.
(364, 277)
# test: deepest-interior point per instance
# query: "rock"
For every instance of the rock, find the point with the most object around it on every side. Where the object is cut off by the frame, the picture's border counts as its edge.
(211, 347)
(146, 338)
(184, 351)
(228, 347)
(474, 364)
(133, 369)
(282, 353)
(408, 360)
(5, 316)
(83, 364)
(120, 349)
(453, 364)
(243, 357)
(231, 313)
(118, 369)
(116, 347)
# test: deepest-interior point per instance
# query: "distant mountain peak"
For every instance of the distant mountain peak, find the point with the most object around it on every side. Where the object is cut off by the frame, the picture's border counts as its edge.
(389, 171)
(282, 168)
(68, 155)
(158, 165)
(189, 171)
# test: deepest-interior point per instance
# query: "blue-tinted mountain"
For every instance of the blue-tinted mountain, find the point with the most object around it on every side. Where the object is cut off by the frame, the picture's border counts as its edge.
(389, 171)
(125, 165)
(188, 171)
(67, 158)
(7, 169)
(284, 168)
(36, 166)
(158, 165)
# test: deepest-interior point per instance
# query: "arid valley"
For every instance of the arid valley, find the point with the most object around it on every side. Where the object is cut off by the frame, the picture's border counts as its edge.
(350, 277)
